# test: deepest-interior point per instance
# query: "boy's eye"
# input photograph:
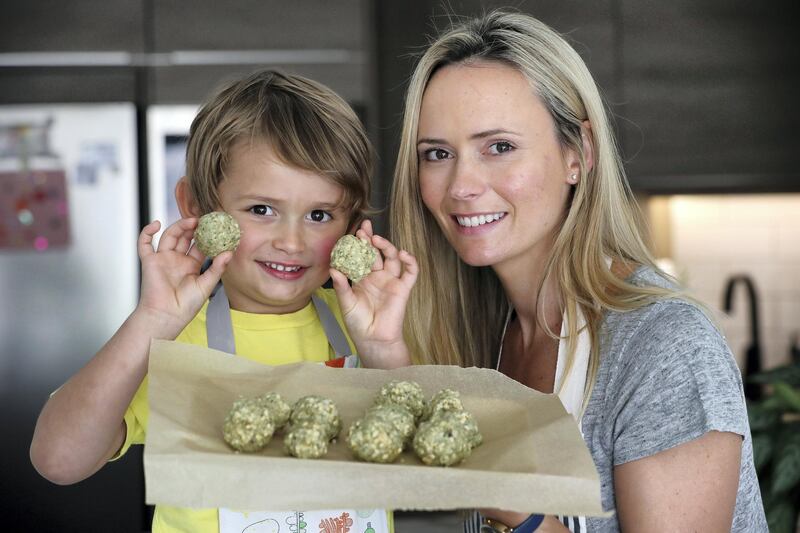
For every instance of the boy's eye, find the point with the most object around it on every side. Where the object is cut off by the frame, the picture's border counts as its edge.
(435, 154)
(318, 215)
(500, 147)
(261, 210)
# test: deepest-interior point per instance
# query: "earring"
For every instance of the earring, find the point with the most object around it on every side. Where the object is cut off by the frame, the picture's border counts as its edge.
(573, 178)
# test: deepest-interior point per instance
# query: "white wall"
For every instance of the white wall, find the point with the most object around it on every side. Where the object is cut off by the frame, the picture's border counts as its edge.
(714, 237)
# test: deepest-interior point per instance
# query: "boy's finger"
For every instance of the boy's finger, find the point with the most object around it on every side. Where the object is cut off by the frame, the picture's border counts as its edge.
(390, 261)
(196, 254)
(209, 279)
(344, 292)
(183, 243)
(367, 227)
(410, 269)
(144, 243)
(169, 239)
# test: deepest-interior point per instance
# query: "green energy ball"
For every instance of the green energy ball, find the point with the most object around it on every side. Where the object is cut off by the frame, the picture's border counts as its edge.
(316, 410)
(442, 442)
(353, 257)
(375, 440)
(397, 416)
(463, 419)
(406, 393)
(306, 441)
(248, 427)
(277, 407)
(444, 400)
(217, 232)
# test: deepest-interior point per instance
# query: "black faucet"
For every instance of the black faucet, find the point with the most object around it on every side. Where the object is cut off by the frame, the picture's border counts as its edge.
(752, 364)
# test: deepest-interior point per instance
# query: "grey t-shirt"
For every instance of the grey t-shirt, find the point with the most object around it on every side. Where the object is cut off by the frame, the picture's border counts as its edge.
(666, 376)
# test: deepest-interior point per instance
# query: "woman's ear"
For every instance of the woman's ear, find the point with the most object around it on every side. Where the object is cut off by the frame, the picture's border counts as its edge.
(573, 160)
(185, 199)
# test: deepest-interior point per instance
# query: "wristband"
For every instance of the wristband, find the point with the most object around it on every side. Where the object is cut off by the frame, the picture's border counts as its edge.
(529, 525)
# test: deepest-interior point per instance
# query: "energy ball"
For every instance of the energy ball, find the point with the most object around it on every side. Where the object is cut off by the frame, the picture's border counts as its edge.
(442, 441)
(277, 407)
(406, 393)
(306, 441)
(444, 400)
(217, 232)
(316, 410)
(375, 439)
(248, 427)
(464, 419)
(353, 257)
(398, 417)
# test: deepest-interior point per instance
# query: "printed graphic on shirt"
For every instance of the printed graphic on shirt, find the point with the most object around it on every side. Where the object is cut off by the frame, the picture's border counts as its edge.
(330, 521)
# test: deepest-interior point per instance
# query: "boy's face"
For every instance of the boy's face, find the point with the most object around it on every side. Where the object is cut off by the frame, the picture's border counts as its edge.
(289, 223)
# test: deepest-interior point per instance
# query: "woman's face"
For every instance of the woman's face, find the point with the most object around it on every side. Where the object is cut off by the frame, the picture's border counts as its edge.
(491, 169)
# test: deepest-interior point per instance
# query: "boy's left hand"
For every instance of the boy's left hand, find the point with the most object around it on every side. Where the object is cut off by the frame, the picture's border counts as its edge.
(373, 308)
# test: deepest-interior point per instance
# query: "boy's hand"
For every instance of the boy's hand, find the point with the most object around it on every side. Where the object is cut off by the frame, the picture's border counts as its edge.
(173, 290)
(373, 308)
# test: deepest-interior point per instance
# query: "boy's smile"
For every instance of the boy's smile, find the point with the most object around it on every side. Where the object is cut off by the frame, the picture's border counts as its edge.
(290, 220)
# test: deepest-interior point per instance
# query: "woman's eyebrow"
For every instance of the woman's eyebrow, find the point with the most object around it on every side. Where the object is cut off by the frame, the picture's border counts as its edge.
(474, 136)
(430, 141)
(489, 133)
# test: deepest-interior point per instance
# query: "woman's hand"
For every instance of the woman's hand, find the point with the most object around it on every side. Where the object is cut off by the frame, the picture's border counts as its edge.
(512, 519)
(373, 308)
(173, 290)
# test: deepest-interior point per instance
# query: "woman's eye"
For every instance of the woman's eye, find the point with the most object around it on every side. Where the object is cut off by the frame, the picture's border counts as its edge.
(318, 215)
(436, 154)
(261, 210)
(500, 147)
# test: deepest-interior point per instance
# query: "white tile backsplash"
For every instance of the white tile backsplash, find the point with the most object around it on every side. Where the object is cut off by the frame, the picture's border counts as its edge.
(715, 237)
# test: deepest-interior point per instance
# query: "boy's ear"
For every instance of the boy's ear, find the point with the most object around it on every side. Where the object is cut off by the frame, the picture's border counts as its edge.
(185, 200)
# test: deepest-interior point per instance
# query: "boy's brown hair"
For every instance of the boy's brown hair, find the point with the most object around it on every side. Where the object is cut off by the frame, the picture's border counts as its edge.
(307, 125)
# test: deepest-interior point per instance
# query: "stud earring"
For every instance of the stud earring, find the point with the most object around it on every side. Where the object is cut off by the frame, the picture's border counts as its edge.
(573, 178)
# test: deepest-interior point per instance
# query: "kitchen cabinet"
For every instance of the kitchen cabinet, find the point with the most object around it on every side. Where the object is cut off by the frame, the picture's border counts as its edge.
(112, 27)
(708, 96)
(327, 41)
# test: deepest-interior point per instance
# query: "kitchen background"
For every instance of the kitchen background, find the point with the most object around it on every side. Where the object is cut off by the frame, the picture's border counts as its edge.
(96, 96)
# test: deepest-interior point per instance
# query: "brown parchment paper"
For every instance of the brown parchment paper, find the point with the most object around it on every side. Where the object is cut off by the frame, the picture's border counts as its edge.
(532, 459)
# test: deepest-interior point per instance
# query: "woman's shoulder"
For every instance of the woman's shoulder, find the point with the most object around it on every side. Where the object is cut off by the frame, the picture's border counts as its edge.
(675, 310)
(668, 329)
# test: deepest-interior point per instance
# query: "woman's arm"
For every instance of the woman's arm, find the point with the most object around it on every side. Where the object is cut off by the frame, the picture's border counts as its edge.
(691, 487)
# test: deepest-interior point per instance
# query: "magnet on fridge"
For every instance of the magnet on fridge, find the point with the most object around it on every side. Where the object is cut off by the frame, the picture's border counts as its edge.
(29, 218)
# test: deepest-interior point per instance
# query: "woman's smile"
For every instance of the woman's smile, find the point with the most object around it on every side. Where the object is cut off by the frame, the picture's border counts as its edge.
(478, 223)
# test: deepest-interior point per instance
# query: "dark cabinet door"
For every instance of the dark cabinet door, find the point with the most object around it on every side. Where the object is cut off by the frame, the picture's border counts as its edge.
(708, 95)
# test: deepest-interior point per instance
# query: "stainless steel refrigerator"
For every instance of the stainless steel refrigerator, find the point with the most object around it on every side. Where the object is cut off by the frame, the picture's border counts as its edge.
(68, 278)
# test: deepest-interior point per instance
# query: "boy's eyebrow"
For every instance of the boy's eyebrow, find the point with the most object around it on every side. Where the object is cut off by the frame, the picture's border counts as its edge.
(474, 136)
(268, 200)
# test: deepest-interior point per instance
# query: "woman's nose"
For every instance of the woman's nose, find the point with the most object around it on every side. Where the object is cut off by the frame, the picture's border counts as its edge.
(467, 181)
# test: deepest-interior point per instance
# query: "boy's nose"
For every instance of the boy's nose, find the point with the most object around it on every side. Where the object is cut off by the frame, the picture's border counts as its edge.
(290, 239)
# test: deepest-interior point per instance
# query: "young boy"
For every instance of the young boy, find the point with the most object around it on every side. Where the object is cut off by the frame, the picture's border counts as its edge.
(289, 160)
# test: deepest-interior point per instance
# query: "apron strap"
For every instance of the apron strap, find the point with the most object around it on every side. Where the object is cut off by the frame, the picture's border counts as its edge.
(219, 328)
(333, 330)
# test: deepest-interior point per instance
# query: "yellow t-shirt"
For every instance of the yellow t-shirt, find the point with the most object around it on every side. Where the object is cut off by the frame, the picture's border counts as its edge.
(266, 339)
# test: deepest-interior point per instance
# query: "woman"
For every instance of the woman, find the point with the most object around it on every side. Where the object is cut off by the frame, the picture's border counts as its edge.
(510, 192)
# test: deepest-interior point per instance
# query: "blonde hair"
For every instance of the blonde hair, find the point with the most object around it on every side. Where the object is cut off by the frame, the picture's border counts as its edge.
(456, 312)
(307, 125)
